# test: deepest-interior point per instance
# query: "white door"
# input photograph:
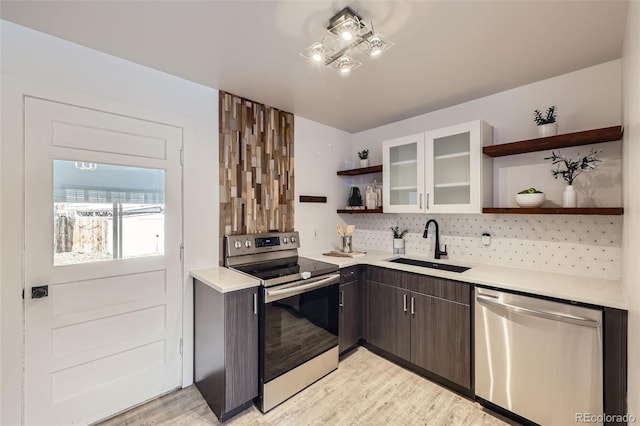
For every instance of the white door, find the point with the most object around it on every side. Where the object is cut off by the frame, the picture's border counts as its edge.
(403, 174)
(103, 230)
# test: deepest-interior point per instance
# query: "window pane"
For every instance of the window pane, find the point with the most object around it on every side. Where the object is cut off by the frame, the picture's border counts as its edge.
(105, 212)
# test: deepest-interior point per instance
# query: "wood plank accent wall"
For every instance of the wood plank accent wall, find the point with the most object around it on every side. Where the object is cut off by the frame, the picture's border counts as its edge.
(256, 167)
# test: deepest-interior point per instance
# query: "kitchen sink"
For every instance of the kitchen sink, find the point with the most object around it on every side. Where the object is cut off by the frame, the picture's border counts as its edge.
(432, 265)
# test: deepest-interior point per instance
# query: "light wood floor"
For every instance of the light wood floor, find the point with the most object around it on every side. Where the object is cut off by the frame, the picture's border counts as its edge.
(365, 390)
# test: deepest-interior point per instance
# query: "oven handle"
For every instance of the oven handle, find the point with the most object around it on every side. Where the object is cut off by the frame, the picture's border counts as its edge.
(332, 279)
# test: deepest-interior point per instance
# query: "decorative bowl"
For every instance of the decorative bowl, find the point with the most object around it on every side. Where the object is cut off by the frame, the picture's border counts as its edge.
(530, 200)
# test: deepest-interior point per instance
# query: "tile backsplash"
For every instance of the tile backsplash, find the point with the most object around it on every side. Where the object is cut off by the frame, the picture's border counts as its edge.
(577, 245)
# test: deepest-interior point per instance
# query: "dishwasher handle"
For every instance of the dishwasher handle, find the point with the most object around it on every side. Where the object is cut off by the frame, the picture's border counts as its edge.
(492, 301)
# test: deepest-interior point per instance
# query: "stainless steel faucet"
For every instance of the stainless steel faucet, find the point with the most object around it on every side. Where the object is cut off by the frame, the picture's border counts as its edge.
(438, 253)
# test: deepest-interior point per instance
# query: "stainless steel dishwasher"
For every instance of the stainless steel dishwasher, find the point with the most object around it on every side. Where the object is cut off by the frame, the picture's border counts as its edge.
(539, 359)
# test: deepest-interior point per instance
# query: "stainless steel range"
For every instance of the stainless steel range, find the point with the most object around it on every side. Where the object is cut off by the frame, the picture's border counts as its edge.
(298, 312)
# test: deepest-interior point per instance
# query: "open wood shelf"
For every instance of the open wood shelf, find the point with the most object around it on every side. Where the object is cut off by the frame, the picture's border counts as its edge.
(361, 171)
(360, 211)
(606, 134)
(555, 210)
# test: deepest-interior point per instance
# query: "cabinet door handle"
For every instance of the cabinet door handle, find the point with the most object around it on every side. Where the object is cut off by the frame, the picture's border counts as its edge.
(255, 303)
(413, 305)
(404, 302)
(427, 201)
(420, 201)
(341, 298)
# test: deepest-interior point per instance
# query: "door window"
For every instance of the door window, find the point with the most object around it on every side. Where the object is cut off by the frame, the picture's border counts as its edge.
(105, 212)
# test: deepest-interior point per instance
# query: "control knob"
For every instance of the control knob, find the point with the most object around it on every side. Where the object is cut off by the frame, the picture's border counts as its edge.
(293, 239)
(237, 244)
(285, 240)
(247, 244)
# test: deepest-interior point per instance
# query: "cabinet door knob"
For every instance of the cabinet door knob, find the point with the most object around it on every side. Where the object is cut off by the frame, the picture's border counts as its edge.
(255, 303)
(404, 302)
(341, 298)
(413, 305)
(420, 207)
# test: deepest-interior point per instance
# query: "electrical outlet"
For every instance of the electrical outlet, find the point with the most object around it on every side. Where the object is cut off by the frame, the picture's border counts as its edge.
(486, 239)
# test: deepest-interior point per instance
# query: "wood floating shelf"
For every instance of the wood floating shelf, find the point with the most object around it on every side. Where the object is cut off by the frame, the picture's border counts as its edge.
(312, 199)
(607, 134)
(360, 211)
(555, 210)
(361, 171)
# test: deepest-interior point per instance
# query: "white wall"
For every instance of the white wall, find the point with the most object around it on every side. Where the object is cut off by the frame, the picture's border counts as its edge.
(319, 153)
(631, 242)
(40, 65)
(586, 99)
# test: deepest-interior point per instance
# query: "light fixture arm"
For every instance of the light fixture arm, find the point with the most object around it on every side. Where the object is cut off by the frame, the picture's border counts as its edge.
(359, 40)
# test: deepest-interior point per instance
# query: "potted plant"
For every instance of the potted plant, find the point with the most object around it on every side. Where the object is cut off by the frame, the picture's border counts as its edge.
(398, 239)
(547, 125)
(570, 169)
(364, 158)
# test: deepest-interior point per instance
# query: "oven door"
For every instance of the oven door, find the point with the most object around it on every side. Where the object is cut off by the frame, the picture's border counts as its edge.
(298, 322)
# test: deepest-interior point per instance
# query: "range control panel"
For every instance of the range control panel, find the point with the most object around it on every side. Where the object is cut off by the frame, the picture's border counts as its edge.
(237, 245)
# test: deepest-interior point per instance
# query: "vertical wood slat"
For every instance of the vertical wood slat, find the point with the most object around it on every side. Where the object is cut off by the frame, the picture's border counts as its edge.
(256, 167)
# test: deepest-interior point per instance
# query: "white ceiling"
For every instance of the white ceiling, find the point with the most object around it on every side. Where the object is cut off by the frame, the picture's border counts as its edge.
(446, 52)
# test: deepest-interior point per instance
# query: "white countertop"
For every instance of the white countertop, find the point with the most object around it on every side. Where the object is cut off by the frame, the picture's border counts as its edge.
(596, 291)
(224, 280)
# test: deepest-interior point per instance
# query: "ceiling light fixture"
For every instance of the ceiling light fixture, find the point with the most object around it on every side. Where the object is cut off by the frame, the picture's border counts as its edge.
(347, 31)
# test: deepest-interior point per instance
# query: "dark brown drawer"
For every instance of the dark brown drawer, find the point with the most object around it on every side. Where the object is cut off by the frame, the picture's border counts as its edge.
(438, 287)
(351, 273)
(386, 276)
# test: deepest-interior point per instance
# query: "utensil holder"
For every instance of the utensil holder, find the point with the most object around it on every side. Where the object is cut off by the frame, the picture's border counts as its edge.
(346, 244)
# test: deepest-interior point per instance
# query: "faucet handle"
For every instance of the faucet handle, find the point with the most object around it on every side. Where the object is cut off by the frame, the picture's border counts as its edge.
(443, 252)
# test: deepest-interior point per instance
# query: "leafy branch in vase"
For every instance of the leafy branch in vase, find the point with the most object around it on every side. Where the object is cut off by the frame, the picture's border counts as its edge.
(397, 233)
(548, 119)
(570, 169)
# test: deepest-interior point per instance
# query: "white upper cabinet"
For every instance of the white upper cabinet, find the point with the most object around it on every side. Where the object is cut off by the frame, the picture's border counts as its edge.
(451, 174)
(403, 174)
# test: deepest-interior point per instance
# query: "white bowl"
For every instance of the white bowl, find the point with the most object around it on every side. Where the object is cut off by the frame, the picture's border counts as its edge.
(530, 200)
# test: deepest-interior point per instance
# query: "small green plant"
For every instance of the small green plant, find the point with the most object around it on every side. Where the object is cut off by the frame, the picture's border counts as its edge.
(570, 169)
(549, 118)
(364, 154)
(397, 233)
(530, 191)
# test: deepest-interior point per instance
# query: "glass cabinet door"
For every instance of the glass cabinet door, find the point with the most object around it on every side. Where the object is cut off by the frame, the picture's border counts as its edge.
(455, 181)
(403, 177)
(451, 169)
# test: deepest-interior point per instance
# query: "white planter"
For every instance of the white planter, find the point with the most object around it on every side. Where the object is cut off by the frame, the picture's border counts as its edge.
(398, 246)
(570, 199)
(545, 130)
(364, 163)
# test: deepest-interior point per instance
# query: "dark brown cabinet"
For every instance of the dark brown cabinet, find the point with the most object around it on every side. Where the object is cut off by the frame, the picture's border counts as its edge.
(388, 324)
(350, 308)
(423, 320)
(226, 348)
(441, 338)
